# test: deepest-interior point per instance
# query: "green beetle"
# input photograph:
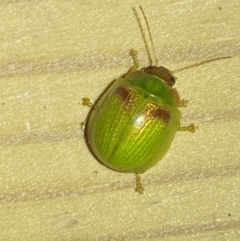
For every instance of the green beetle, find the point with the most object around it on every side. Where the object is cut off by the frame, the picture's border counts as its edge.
(132, 125)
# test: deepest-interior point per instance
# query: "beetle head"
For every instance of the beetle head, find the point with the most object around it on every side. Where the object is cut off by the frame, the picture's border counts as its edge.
(162, 73)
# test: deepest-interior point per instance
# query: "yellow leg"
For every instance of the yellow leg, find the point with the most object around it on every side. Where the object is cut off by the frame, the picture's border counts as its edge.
(183, 103)
(82, 125)
(86, 102)
(139, 188)
(190, 128)
(133, 54)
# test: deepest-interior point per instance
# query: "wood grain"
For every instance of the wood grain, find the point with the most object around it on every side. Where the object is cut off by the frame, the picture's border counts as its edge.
(53, 53)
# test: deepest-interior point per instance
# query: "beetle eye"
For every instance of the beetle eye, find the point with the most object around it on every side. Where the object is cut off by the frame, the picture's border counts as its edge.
(173, 80)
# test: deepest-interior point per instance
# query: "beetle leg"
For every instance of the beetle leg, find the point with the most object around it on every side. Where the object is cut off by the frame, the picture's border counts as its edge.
(183, 103)
(139, 188)
(86, 102)
(133, 54)
(82, 125)
(190, 128)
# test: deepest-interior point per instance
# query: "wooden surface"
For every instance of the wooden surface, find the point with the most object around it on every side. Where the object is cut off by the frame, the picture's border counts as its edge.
(53, 53)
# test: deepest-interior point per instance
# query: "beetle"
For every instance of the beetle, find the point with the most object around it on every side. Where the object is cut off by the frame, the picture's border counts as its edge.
(133, 123)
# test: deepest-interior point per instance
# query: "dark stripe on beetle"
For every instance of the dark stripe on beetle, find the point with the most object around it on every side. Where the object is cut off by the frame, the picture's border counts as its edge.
(124, 93)
(160, 113)
(128, 97)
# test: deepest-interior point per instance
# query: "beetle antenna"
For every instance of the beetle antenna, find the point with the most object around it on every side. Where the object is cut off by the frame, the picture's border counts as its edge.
(200, 63)
(144, 38)
(150, 35)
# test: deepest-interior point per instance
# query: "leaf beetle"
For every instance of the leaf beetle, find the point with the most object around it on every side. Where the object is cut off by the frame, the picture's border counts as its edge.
(133, 123)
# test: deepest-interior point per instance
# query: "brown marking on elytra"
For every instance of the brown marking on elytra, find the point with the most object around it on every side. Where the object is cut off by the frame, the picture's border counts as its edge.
(156, 112)
(128, 97)
(161, 114)
(123, 93)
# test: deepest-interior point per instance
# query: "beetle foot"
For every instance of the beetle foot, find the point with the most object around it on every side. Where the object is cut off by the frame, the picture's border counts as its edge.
(86, 102)
(192, 128)
(82, 125)
(183, 103)
(133, 54)
(139, 188)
